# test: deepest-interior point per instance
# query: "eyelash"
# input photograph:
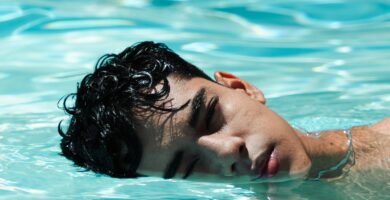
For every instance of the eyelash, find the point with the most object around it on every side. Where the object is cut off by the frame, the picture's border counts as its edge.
(211, 111)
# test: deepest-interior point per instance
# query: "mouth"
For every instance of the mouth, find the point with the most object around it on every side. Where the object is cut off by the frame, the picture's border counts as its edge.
(267, 165)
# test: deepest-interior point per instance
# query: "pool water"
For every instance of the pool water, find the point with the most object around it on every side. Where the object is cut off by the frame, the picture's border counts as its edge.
(321, 64)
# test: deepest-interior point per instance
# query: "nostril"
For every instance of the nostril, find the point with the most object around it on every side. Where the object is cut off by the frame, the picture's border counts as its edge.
(233, 168)
(241, 149)
(243, 152)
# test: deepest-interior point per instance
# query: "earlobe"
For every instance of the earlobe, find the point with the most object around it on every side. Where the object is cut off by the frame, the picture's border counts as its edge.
(229, 80)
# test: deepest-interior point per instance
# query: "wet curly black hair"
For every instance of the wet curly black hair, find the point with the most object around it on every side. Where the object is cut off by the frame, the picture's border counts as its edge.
(101, 135)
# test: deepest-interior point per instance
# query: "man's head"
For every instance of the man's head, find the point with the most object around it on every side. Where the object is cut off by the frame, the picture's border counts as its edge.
(110, 102)
(147, 111)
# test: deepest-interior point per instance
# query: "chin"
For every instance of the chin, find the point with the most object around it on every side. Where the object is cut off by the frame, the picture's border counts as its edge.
(283, 176)
(301, 173)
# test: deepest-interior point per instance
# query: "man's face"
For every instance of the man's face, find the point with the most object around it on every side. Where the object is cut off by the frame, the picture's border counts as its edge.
(224, 132)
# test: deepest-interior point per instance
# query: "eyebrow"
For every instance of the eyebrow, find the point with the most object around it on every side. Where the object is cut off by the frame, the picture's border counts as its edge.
(196, 105)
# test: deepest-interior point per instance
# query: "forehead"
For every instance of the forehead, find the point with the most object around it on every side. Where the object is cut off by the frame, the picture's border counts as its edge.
(162, 134)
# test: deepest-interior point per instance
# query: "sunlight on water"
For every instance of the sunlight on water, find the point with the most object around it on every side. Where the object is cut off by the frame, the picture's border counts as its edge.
(321, 64)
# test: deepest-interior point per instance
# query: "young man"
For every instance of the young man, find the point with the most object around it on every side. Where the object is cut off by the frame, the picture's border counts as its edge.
(146, 111)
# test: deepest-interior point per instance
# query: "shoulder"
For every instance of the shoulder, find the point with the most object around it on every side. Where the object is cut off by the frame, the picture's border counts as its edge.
(382, 126)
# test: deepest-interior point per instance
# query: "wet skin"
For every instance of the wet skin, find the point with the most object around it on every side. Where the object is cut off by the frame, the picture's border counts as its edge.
(226, 131)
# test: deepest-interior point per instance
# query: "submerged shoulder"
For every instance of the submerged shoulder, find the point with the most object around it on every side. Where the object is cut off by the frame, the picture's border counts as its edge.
(382, 126)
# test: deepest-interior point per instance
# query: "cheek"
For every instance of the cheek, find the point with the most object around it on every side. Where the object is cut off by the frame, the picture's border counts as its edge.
(228, 109)
(275, 124)
(239, 115)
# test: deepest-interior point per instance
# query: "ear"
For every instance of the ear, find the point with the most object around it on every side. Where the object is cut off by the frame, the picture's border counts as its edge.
(231, 81)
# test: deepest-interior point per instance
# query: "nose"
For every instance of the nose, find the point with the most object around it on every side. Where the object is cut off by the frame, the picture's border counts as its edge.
(226, 151)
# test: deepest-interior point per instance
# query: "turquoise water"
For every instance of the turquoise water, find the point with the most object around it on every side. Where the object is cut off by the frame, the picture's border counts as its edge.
(321, 64)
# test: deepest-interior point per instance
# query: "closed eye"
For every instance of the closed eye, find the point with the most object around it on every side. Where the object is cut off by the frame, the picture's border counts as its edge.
(210, 111)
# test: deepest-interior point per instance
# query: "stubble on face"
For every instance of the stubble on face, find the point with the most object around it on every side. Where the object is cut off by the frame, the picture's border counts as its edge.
(168, 132)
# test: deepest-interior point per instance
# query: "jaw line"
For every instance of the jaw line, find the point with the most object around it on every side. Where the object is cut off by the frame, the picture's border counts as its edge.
(303, 173)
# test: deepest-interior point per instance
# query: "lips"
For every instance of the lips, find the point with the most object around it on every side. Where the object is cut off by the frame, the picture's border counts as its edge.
(267, 165)
(272, 165)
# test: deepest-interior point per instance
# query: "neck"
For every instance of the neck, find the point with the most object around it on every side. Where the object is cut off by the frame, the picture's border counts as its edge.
(325, 152)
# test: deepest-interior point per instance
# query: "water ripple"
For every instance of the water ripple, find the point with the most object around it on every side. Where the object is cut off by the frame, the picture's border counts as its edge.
(321, 64)
(17, 19)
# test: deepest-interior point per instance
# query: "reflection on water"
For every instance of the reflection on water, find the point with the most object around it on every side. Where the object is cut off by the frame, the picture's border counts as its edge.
(322, 64)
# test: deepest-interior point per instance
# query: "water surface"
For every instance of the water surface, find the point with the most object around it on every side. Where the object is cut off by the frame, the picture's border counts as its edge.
(321, 64)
